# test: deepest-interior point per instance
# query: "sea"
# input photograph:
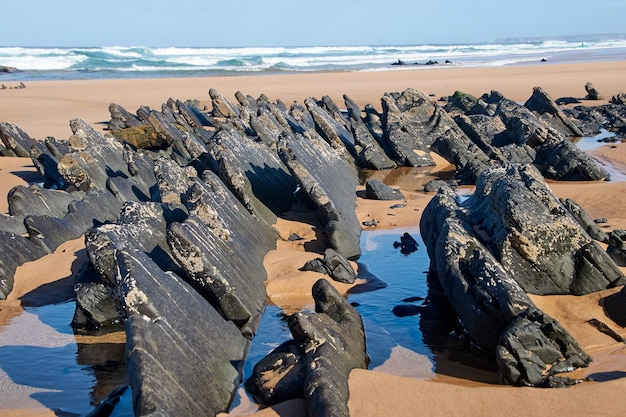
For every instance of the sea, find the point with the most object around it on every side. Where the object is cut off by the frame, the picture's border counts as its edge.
(114, 62)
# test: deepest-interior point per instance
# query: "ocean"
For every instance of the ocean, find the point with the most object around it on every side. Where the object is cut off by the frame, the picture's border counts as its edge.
(116, 62)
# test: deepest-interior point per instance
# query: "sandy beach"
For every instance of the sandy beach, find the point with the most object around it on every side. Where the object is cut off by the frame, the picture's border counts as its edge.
(44, 108)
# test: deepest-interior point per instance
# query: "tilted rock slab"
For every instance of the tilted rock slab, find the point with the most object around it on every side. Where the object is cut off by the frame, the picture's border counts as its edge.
(330, 183)
(316, 364)
(177, 364)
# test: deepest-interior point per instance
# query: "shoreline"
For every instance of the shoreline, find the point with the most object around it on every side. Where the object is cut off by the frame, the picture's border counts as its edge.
(45, 108)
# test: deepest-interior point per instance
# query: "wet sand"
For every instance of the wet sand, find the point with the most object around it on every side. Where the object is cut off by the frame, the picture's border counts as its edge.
(45, 108)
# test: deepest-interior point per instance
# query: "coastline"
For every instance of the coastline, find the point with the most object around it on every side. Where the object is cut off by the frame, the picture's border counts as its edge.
(45, 108)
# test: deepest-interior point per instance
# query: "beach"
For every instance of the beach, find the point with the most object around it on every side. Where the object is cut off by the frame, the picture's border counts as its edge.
(44, 108)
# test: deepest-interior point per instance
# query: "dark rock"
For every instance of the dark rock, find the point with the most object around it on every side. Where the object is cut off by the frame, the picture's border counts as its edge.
(556, 156)
(332, 343)
(370, 223)
(462, 101)
(493, 308)
(588, 225)
(46, 160)
(405, 310)
(194, 116)
(254, 173)
(535, 237)
(407, 244)
(336, 135)
(615, 307)
(617, 246)
(541, 103)
(619, 99)
(408, 128)
(209, 245)
(334, 265)
(95, 307)
(279, 376)
(325, 178)
(435, 185)
(604, 328)
(16, 140)
(15, 250)
(532, 340)
(7, 69)
(122, 118)
(221, 106)
(369, 153)
(171, 135)
(378, 190)
(176, 365)
(564, 101)
(315, 365)
(592, 92)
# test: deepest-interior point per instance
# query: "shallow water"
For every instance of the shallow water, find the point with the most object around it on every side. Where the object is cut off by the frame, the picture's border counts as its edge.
(42, 361)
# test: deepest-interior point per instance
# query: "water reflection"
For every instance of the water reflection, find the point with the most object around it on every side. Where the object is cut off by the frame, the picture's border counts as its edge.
(42, 360)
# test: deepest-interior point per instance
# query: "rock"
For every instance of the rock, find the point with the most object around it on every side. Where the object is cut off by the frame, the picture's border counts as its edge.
(45, 156)
(592, 92)
(493, 308)
(378, 190)
(334, 265)
(7, 70)
(617, 246)
(541, 103)
(405, 310)
(460, 100)
(15, 250)
(324, 176)
(16, 140)
(564, 101)
(332, 343)
(254, 173)
(435, 185)
(176, 365)
(122, 118)
(619, 99)
(531, 340)
(407, 244)
(615, 307)
(209, 245)
(369, 153)
(221, 106)
(336, 135)
(279, 376)
(588, 225)
(407, 132)
(193, 115)
(535, 237)
(555, 156)
(95, 307)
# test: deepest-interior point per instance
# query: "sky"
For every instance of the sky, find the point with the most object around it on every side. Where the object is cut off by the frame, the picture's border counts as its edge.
(208, 23)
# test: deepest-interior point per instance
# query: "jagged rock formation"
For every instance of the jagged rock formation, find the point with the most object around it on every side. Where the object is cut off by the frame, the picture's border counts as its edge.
(512, 236)
(177, 204)
(315, 365)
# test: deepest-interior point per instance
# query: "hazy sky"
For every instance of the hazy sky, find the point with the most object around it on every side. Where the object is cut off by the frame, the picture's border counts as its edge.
(297, 23)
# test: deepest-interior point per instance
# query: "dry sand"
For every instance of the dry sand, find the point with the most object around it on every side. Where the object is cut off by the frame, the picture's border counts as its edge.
(45, 108)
